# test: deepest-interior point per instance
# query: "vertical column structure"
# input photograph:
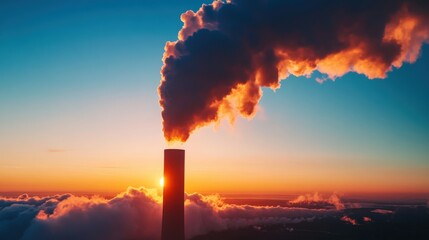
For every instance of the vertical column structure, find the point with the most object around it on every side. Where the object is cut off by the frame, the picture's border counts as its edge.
(173, 212)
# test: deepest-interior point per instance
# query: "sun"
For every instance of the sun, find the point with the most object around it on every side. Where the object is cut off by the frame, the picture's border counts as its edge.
(161, 182)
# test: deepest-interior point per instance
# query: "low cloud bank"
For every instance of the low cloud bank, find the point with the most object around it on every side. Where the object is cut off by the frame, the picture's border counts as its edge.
(210, 213)
(134, 214)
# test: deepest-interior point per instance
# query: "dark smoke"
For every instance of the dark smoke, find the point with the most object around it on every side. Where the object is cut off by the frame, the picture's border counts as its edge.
(226, 52)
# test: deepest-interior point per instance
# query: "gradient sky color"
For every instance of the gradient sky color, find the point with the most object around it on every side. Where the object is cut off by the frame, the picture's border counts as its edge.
(79, 112)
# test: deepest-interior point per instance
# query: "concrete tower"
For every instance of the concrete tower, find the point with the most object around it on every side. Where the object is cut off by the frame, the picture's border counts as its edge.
(173, 212)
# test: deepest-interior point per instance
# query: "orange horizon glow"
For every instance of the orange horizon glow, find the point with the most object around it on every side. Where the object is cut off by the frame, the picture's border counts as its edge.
(246, 182)
(211, 171)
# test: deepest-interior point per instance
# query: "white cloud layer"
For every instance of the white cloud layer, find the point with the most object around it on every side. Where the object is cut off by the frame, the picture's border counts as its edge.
(134, 214)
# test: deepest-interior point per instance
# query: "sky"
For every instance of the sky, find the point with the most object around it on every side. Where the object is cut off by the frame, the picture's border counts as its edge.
(79, 111)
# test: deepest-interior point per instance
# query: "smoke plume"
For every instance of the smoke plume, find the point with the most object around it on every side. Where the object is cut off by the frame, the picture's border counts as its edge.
(227, 51)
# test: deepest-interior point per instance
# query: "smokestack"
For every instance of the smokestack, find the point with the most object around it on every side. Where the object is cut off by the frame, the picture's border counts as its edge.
(173, 213)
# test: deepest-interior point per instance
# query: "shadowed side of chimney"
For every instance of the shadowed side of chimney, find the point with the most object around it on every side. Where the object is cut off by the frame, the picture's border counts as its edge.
(173, 212)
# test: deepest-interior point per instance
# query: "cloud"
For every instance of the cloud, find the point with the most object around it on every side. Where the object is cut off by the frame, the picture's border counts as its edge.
(349, 220)
(316, 199)
(226, 52)
(210, 213)
(17, 214)
(134, 214)
(382, 211)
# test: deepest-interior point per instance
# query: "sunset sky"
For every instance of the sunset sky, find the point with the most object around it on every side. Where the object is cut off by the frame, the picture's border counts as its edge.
(79, 111)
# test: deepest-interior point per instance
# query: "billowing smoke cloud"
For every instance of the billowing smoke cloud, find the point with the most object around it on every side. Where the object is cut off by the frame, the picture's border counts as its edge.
(134, 214)
(226, 52)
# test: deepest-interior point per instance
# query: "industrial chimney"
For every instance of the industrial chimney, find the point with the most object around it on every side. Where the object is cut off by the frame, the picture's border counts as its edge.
(173, 212)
